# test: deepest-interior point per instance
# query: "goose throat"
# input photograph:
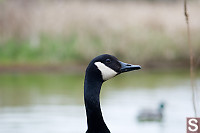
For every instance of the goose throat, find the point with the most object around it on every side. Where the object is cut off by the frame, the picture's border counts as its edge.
(106, 72)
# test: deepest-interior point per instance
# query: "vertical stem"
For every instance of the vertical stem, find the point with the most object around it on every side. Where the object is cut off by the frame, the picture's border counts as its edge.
(191, 57)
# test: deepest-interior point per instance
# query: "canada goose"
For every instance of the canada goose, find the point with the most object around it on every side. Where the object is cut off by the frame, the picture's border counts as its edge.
(152, 115)
(100, 69)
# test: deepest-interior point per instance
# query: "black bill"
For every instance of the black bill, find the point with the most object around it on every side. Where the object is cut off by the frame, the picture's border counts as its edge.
(128, 67)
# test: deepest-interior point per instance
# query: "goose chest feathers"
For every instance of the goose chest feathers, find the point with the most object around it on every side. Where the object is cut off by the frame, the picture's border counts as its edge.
(100, 69)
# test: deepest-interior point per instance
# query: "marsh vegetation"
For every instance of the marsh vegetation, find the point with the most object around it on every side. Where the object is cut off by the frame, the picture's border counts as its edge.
(152, 34)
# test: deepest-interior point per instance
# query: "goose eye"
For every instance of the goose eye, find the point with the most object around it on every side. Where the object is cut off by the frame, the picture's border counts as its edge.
(108, 60)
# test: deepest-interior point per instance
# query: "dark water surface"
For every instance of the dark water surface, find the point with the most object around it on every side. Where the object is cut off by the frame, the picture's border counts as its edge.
(49, 103)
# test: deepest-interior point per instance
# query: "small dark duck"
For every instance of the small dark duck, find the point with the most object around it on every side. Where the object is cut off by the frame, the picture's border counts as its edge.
(152, 115)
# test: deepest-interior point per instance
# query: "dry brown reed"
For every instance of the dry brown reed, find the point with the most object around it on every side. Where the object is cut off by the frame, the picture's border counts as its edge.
(192, 73)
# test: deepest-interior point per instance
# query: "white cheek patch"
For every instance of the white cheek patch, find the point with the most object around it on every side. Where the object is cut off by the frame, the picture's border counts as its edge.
(106, 72)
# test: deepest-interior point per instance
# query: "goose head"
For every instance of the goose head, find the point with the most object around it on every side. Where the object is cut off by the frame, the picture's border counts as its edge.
(108, 66)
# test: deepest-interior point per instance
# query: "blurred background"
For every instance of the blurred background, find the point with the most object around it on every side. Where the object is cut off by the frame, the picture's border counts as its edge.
(45, 46)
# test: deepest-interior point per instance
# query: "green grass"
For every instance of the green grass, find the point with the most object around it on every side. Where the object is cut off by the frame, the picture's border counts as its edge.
(151, 46)
(49, 50)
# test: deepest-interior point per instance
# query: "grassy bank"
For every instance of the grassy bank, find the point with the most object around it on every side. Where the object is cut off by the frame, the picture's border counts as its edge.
(150, 34)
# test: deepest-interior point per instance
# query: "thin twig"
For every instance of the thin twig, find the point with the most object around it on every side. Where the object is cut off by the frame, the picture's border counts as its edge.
(191, 57)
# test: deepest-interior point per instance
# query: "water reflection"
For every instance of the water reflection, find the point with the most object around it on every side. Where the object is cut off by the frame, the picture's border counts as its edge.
(54, 103)
(31, 89)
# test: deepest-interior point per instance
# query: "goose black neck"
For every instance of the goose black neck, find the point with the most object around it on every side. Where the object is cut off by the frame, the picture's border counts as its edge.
(92, 88)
